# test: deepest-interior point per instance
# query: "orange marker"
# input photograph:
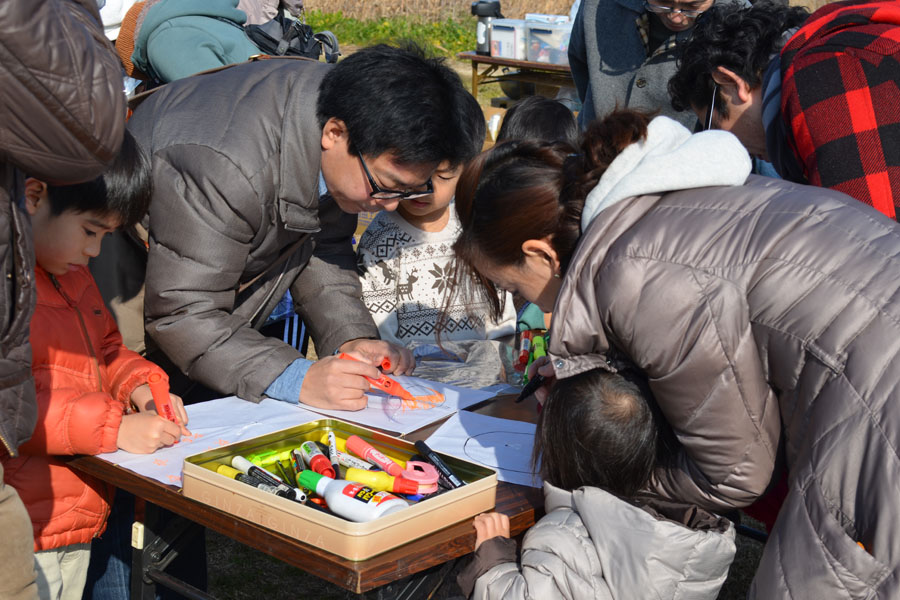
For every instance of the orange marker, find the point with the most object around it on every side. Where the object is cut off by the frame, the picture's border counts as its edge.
(385, 383)
(159, 388)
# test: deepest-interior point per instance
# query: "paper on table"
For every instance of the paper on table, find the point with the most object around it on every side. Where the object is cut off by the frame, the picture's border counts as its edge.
(388, 413)
(500, 444)
(212, 424)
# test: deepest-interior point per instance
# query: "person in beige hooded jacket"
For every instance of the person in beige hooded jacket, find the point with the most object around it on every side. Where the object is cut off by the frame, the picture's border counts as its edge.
(765, 314)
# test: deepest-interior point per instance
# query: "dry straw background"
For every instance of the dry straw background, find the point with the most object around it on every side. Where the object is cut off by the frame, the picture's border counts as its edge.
(439, 10)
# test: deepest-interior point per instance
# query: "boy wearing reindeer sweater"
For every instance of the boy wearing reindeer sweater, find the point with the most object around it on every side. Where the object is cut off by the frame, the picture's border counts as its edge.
(405, 261)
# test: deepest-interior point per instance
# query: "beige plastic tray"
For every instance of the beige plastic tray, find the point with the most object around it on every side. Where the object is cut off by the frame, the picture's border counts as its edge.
(354, 541)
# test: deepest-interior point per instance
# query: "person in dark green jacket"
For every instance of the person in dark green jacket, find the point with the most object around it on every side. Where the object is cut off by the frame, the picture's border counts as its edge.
(177, 38)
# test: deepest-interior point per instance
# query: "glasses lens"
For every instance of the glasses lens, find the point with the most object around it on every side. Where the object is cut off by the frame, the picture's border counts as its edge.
(655, 8)
(384, 195)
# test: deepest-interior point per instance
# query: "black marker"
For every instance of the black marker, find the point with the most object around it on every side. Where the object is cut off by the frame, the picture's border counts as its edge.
(434, 459)
(532, 386)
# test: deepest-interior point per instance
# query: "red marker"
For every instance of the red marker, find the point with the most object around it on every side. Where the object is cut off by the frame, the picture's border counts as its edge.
(159, 388)
(384, 383)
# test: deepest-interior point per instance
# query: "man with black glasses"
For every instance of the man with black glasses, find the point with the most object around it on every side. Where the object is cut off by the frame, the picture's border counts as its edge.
(259, 171)
(623, 52)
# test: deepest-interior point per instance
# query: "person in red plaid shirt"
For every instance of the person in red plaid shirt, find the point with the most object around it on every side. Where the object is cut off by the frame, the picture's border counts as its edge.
(819, 97)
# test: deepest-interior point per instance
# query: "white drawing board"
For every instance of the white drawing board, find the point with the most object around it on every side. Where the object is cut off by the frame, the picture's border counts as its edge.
(500, 444)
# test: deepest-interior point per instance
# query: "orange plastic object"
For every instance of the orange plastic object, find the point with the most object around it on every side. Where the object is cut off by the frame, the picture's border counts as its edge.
(385, 383)
(159, 387)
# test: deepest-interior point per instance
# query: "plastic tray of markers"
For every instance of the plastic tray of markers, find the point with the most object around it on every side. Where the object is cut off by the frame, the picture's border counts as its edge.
(323, 529)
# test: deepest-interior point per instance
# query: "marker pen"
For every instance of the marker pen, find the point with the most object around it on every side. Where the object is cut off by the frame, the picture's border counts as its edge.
(434, 459)
(362, 448)
(242, 464)
(297, 462)
(333, 453)
(315, 460)
(350, 461)
(342, 449)
(382, 482)
(384, 383)
(264, 459)
(281, 471)
(233, 473)
(524, 349)
(159, 389)
(284, 492)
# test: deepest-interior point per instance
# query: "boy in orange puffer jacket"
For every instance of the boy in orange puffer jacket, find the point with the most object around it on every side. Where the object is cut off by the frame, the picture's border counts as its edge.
(92, 392)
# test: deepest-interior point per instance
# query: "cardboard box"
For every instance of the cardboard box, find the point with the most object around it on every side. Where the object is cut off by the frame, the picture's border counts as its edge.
(508, 38)
(548, 43)
(354, 541)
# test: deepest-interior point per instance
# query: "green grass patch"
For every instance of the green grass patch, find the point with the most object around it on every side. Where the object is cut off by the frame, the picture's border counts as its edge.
(444, 38)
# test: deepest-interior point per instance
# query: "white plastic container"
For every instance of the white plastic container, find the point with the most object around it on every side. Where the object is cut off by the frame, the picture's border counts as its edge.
(548, 43)
(508, 38)
(351, 500)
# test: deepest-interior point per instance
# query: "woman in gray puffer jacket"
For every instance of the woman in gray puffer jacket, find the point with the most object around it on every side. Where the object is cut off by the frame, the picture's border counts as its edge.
(766, 316)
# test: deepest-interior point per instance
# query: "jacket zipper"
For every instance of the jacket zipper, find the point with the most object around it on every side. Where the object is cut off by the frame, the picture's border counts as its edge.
(84, 331)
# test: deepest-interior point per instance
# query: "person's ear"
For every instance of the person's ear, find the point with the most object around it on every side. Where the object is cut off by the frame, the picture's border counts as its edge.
(542, 250)
(35, 193)
(334, 132)
(732, 85)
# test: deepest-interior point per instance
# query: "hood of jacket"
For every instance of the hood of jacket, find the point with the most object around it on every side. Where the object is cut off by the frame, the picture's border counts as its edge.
(670, 158)
(159, 13)
(682, 550)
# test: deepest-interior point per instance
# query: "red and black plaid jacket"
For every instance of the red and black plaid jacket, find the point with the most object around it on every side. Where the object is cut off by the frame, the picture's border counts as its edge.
(840, 100)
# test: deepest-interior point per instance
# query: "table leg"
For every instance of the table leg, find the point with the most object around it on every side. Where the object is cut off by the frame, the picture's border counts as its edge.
(475, 79)
(154, 547)
(415, 587)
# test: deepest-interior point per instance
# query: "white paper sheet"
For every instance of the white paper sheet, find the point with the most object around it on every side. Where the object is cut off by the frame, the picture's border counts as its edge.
(212, 424)
(389, 414)
(500, 444)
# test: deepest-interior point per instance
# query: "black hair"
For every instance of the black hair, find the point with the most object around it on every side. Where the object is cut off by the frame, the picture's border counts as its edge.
(598, 429)
(536, 117)
(740, 38)
(472, 127)
(399, 100)
(530, 190)
(123, 190)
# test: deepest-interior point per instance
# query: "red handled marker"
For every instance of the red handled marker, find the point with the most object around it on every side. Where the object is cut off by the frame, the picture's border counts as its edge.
(159, 388)
(384, 383)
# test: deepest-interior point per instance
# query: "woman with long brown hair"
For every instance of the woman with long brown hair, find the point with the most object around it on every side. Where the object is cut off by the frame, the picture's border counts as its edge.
(764, 314)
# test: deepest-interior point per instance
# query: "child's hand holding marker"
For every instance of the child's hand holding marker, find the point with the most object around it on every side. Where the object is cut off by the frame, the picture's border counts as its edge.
(154, 396)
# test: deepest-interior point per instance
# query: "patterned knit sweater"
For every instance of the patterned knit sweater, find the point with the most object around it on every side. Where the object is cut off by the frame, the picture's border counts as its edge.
(405, 273)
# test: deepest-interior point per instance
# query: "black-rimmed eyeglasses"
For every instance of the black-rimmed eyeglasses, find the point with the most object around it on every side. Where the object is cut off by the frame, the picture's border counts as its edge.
(668, 10)
(379, 193)
(712, 108)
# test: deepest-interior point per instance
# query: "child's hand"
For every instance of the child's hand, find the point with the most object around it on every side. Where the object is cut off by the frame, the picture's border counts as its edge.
(146, 432)
(142, 398)
(490, 525)
(543, 366)
(375, 351)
